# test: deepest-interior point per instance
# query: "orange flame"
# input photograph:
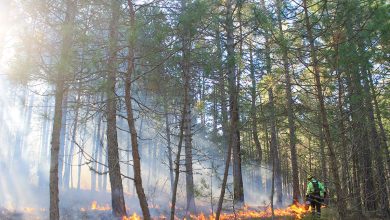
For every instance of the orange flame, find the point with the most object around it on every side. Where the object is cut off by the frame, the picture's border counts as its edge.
(96, 206)
(296, 210)
(132, 217)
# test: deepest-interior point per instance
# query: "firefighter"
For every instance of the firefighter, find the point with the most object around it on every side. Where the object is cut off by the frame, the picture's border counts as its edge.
(315, 195)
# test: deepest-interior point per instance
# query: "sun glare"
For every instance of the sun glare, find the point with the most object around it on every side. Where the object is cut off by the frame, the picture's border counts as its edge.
(9, 24)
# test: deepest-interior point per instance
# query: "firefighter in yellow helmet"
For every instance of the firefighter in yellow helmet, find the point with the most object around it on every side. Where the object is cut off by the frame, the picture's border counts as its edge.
(315, 195)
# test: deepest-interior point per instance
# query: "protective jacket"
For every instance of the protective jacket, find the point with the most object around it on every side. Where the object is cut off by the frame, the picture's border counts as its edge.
(315, 187)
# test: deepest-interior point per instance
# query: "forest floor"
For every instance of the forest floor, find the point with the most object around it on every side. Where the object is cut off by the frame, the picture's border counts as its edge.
(330, 214)
(74, 214)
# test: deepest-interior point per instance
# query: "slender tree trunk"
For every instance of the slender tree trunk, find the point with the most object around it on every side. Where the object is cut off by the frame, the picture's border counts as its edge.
(332, 154)
(117, 199)
(322, 151)
(95, 151)
(63, 142)
(60, 89)
(289, 106)
(273, 148)
(131, 122)
(96, 154)
(344, 148)
(79, 161)
(274, 153)
(100, 166)
(135, 152)
(55, 146)
(224, 122)
(345, 177)
(259, 151)
(233, 99)
(42, 178)
(178, 155)
(128, 158)
(105, 168)
(215, 109)
(224, 181)
(69, 156)
(169, 147)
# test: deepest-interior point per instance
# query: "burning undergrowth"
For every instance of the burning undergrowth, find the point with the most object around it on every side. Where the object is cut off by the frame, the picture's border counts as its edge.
(96, 211)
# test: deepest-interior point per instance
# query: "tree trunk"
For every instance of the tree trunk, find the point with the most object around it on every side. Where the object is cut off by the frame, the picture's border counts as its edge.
(117, 199)
(191, 208)
(169, 147)
(55, 146)
(100, 166)
(345, 178)
(224, 181)
(63, 142)
(60, 88)
(259, 151)
(273, 145)
(96, 146)
(42, 178)
(233, 99)
(177, 160)
(224, 122)
(274, 153)
(131, 122)
(332, 154)
(289, 106)
(69, 156)
(322, 151)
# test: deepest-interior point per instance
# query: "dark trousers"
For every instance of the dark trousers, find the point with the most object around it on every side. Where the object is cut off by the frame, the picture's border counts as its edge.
(315, 203)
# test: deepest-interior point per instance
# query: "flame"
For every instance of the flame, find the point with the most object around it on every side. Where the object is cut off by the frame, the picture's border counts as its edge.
(96, 206)
(296, 210)
(132, 217)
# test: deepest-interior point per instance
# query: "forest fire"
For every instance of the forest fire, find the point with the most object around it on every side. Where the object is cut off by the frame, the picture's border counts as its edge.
(100, 211)
(132, 217)
(296, 210)
(96, 206)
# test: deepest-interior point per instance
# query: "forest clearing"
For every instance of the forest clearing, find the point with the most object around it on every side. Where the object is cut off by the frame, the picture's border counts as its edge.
(194, 109)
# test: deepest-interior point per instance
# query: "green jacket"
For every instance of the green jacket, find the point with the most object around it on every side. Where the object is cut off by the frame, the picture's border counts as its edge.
(310, 187)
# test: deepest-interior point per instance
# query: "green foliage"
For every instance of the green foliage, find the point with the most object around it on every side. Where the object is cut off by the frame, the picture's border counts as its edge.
(193, 16)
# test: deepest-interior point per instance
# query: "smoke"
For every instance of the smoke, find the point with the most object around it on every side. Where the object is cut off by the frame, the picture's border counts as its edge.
(24, 162)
